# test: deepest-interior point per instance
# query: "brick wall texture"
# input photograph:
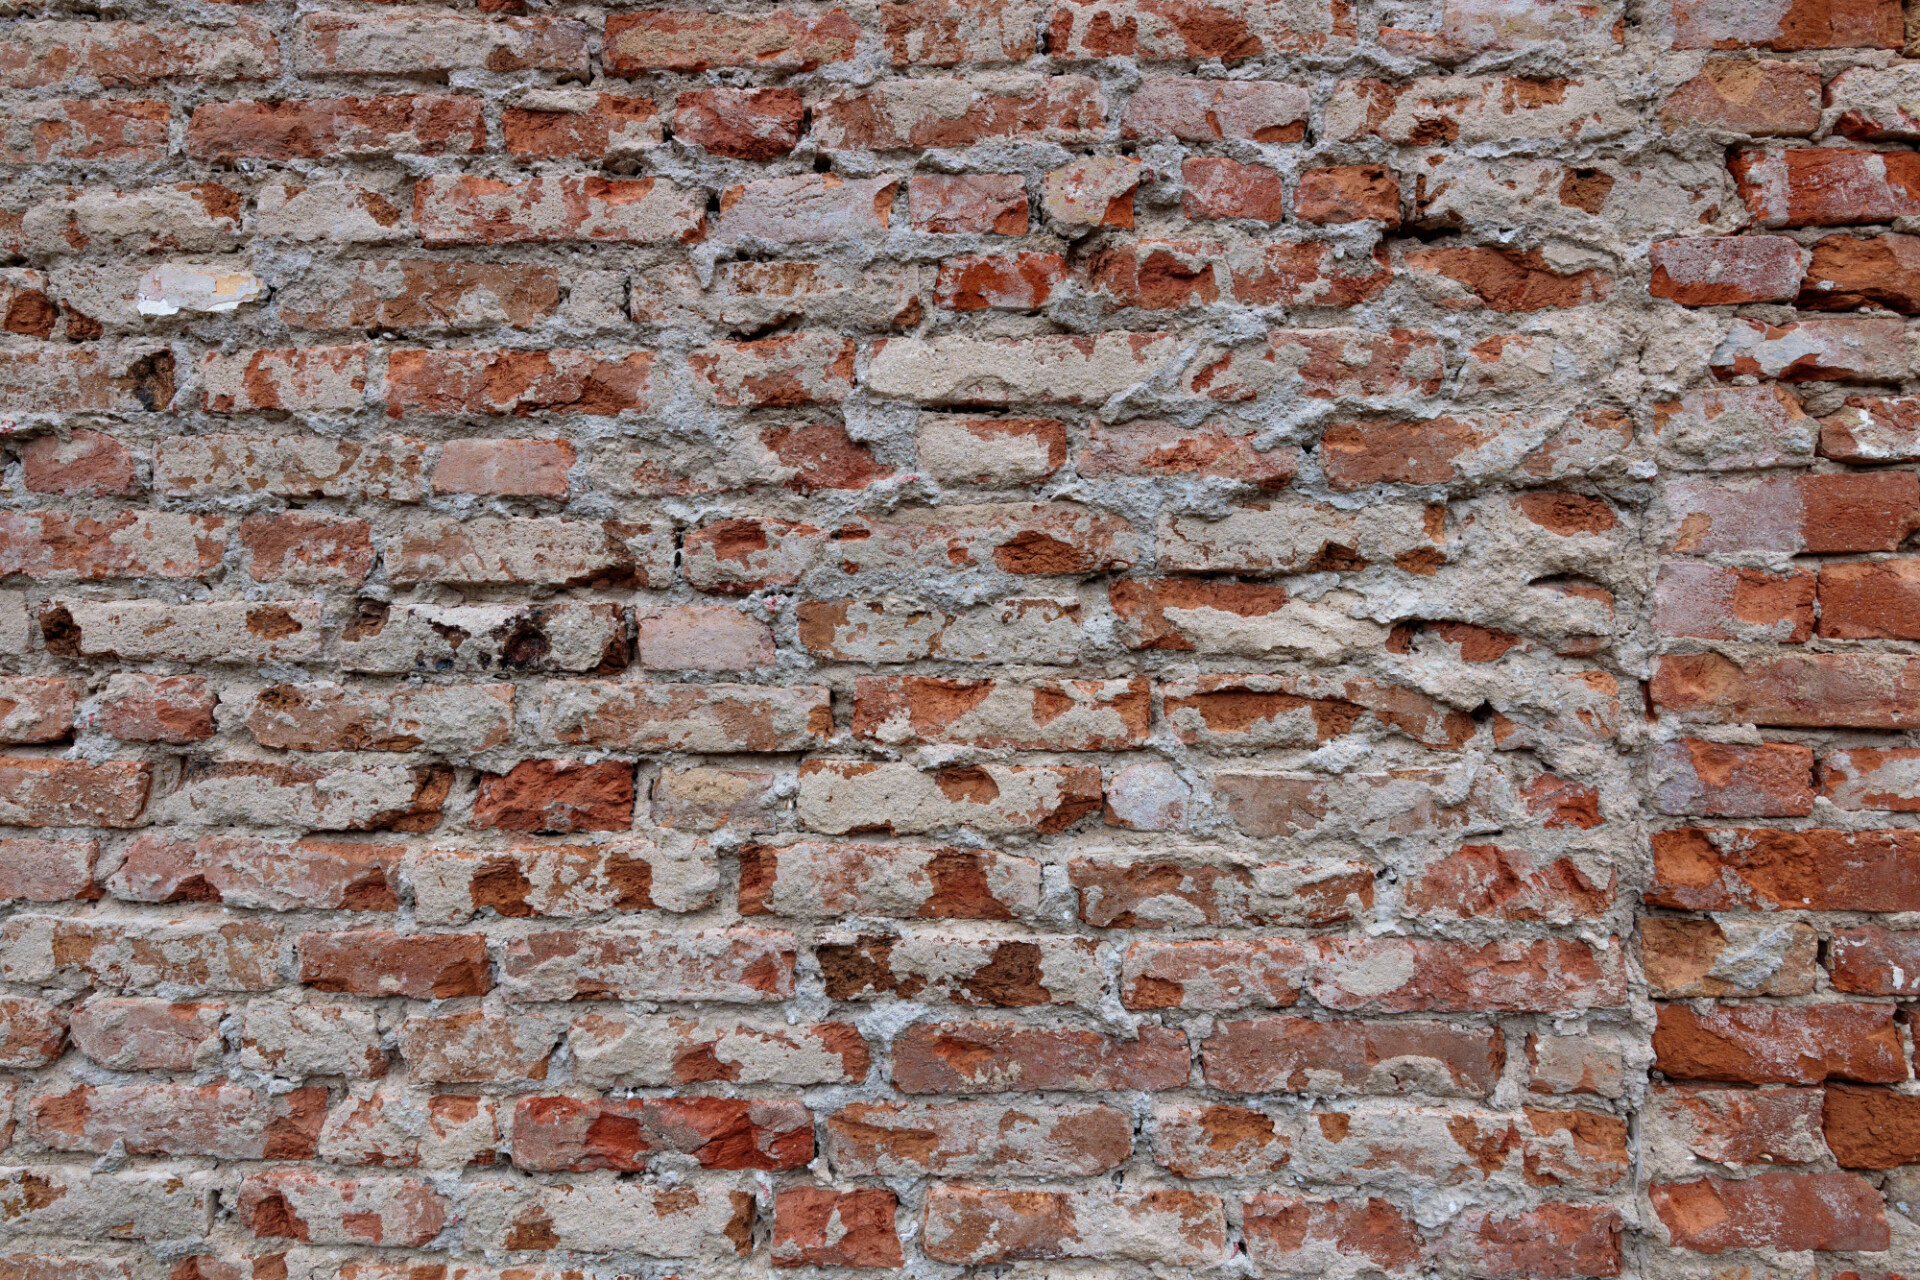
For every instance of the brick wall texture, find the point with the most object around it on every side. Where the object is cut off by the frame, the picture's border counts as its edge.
(1037, 639)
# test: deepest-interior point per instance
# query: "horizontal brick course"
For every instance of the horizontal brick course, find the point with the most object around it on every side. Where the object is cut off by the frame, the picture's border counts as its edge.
(1074, 637)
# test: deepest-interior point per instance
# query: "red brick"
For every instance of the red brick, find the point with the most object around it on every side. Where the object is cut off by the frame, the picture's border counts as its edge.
(26, 308)
(122, 54)
(225, 1121)
(988, 1057)
(472, 210)
(36, 870)
(308, 1206)
(392, 1129)
(1325, 364)
(300, 548)
(983, 203)
(1802, 24)
(1155, 893)
(1864, 106)
(1713, 271)
(353, 44)
(1295, 1055)
(556, 795)
(1514, 976)
(1225, 710)
(575, 1135)
(821, 455)
(1220, 188)
(827, 881)
(1212, 975)
(680, 717)
(1486, 881)
(1759, 98)
(32, 1032)
(1826, 186)
(35, 709)
(1759, 1044)
(1144, 608)
(435, 966)
(1724, 780)
(86, 464)
(899, 115)
(324, 128)
(1873, 429)
(1160, 30)
(1508, 280)
(183, 956)
(1078, 715)
(1693, 957)
(451, 886)
(520, 383)
(1173, 1227)
(943, 34)
(1094, 192)
(679, 1050)
(1786, 1211)
(1739, 1126)
(1703, 869)
(1002, 282)
(1290, 1236)
(1865, 778)
(1169, 449)
(1355, 455)
(1872, 1128)
(476, 1047)
(289, 378)
(141, 1034)
(331, 717)
(985, 1139)
(993, 452)
(701, 638)
(1348, 193)
(422, 294)
(744, 124)
(842, 796)
(272, 875)
(1193, 110)
(806, 209)
(73, 793)
(525, 550)
(1870, 600)
(1856, 511)
(1399, 802)
(81, 130)
(1872, 961)
(1868, 691)
(254, 793)
(1158, 274)
(129, 544)
(1013, 973)
(688, 40)
(504, 468)
(1552, 1240)
(732, 966)
(776, 373)
(1851, 272)
(605, 127)
(816, 1227)
(1713, 603)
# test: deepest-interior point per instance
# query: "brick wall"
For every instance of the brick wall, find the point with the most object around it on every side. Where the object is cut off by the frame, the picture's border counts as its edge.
(1048, 639)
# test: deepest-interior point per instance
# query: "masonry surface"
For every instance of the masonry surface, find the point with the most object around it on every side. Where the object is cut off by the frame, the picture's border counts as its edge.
(1037, 639)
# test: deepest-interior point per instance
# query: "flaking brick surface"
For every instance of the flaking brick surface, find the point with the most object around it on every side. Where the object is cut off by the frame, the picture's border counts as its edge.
(1035, 639)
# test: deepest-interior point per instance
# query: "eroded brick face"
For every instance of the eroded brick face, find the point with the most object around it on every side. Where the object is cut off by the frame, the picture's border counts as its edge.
(1019, 639)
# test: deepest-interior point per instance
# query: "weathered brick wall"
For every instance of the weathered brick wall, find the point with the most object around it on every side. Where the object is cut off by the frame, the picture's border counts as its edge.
(1061, 639)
